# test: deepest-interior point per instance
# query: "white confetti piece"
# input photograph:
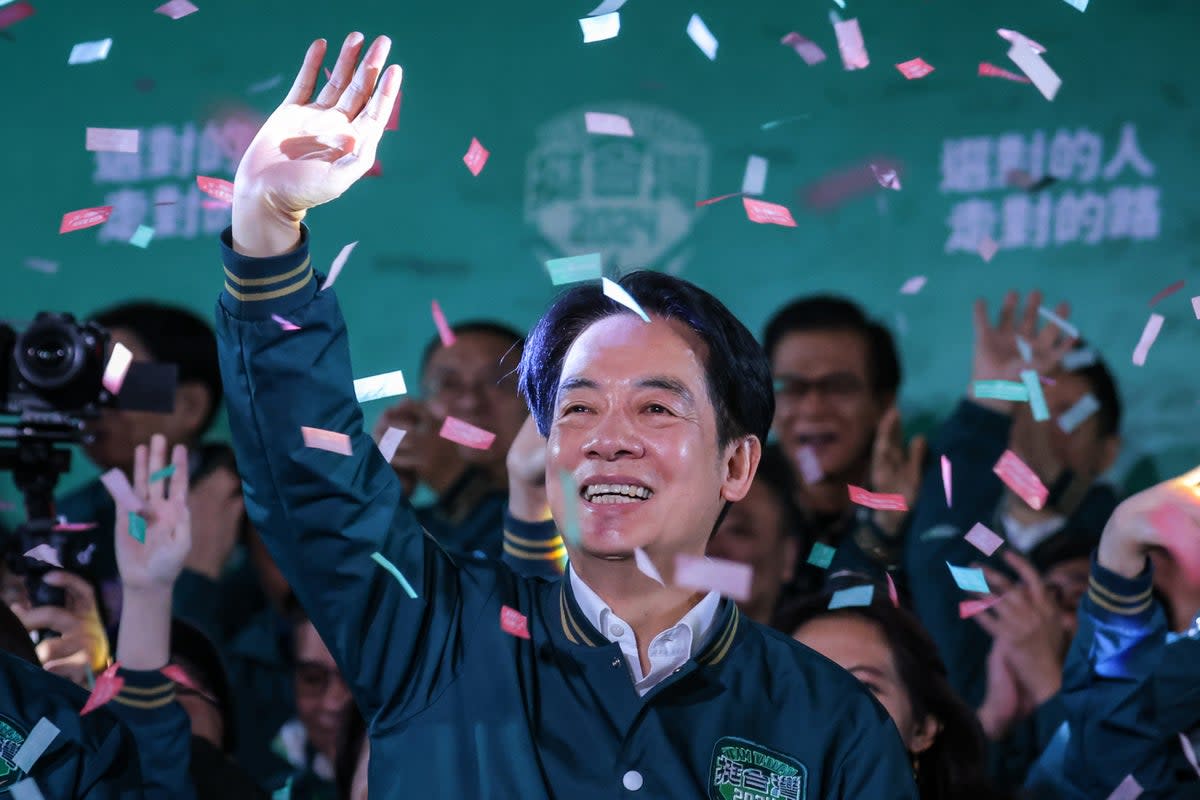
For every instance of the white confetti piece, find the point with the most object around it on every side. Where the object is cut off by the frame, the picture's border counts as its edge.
(1196, 306)
(607, 124)
(264, 85)
(111, 140)
(26, 790)
(702, 36)
(1128, 789)
(729, 578)
(913, 285)
(42, 265)
(1063, 325)
(335, 268)
(1037, 400)
(87, 52)
(377, 387)
(46, 554)
(646, 566)
(1036, 69)
(886, 177)
(390, 440)
(754, 179)
(176, 9)
(1025, 349)
(35, 744)
(1080, 5)
(1016, 37)
(615, 292)
(1149, 334)
(810, 465)
(984, 539)
(1074, 416)
(600, 28)
(117, 368)
(606, 7)
(118, 486)
(331, 441)
(1078, 359)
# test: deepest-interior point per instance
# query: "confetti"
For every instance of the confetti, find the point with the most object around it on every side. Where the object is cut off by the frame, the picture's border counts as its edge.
(176, 9)
(46, 554)
(321, 439)
(142, 236)
(1165, 293)
(805, 48)
(1017, 476)
(969, 608)
(886, 177)
(775, 123)
(1074, 416)
(108, 685)
(335, 268)
(821, 555)
(702, 36)
(73, 527)
(766, 213)
(1189, 751)
(1035, 69)
(137, 527)
(1025, 349)
(42, 265)
(514, 623)
(262, 86)
(1063, 325)
(914, 69)
(12, 14)
(1000, 390)
(122, 493)
(717, 199)
(987, 70)
(283, 792)
(1149, 334)
(600, 27)
(730, 578)
(615, 291)
(390, 441)
(217, 188)
(646, 566)
(984, 539)
(443, 327)
(111, 140)
(574, 269)
(382, 561)
(850, 45)
(377, 387)
(810, 465)
(946, 475)
(466, 434)
(1128, 789)
(913, 285)
(1037, 400)
(117, 368)
(893, 595)
(476, 157)
(606, 7)
(878, 501)
(1078, 359)
(162, 474)
(284, 324)
(1080, 5)
(988, 248)
(84, 218)
(1195, 302)
(604, 124)
(26, 790)
(572, 530)
(1016, 37)
(853, 597)
(754, 179)
(87, 52)
(969, 579)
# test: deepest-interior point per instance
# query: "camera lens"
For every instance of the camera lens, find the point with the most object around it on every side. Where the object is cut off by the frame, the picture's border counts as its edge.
(49, 354)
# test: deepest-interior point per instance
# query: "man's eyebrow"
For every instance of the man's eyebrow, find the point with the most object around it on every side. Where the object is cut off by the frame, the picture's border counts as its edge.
(577, 383)
(668, 384)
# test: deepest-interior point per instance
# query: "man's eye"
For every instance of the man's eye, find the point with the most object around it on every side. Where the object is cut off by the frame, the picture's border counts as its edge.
(655, 408)
(575, 408)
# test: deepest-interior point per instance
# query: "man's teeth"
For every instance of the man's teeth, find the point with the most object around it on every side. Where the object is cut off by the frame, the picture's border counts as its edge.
(616, 493)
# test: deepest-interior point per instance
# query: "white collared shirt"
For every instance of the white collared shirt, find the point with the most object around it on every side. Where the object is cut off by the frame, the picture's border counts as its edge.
(668, 651)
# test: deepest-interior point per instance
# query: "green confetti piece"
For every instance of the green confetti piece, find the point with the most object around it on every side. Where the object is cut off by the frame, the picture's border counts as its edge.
(969, 579)
(142, 236)
(571, 530)
(137, 527)
(283, 792)
(821, 555)
(575, 269)
(1037, 400)
(852, 597)
(162, 474)
(382, 561)
(1001, 390)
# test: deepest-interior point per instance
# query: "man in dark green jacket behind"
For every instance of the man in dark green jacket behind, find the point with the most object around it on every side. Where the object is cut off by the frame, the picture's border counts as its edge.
(476, 682)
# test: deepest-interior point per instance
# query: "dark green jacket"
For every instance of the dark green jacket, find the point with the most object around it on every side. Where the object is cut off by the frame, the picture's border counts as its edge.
(455, 706)
(467, 517)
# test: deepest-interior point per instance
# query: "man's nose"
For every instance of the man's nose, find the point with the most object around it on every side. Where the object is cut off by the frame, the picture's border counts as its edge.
(614, 436)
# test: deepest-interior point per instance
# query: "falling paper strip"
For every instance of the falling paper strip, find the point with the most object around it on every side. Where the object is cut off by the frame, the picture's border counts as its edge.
(987, 70)
(1128, 789)
(913, 285)
(969, 608)
(1149, 334)
(111, 140)
(514, 623)
(607, 124)
(850, 45)
(321, 439)
(1064, 326)
(1195, 305)
(1074, 416)
(810, 465)
(262, 86)
(476, 157)
(886, 177)
(717, 199)
(382, 561)
(377, 387)
(1017, 476)
(1015, 37)
(84, 218)
(46, 554)
(879, 501)
(606, 7)
(969, 579)
(946, 477)
(600, 28)
(987, 248)
(703, 38)
(466, 434)
(176, 9)
(26, 790)
(1081, 5)
(122, 493)
(50, 267)
(1189, 751)
(1078, 359)
(893, 595)
(766, 213)
(1038, 71)
(754, 179)
(574, 269)
(390, 441)
(914, 69)
(87, 52)
(821, 555)
(142, 236)
(284, 324)
(108, 685)
(137, 527)
(730, 578)
(1000, 390)
(1037, 400)
(73, 527)
(572, 530)
(646, 566)
(335, 268)
(117, 368)
(853, 597)
(775, 123)
(216, 188)
(805, 48)
(162, 474)
(14, 13)
(443, 328)
(614, 291)
(1025, 349)
(984, 539)
(1167, 292)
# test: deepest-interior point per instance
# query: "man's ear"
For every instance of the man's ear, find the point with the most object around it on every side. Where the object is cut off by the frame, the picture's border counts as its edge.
(924, 734)
(741, 462)
(192, 402)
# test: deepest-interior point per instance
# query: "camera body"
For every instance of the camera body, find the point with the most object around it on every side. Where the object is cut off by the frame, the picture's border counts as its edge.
(54, 370)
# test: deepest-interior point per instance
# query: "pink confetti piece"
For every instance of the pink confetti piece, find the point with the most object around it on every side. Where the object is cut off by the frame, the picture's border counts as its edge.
(514, 623)
(766, 213)
(74, 527)
(946, 480)
(646, 566)
(284, 324)
(1179, 536)
(984, 539)
(335, 268)
(111, 140)
(84, 218)
(988, 248)
(176, 674)
(375, 171)
(1128, 789)
(987, 70)
(443, 327)
(1167, 292)
(393, 122)
(850, 45)
(208, 204)
(466, 434)
(216, 188)
(1016, 37)
(1189, 752)
(1036, 69)
(1196, 306)
(176, 9)
(390, 440)
(331, 441)
(42, 265)
(1017, 476)
(476, 157)
(805, 48)
(915, 69)
(122, 493)
(969, 608)
(615, 291)
(46, 554)
(108, 685)
(1149, 334)
(719, 198)
(117, 368)
(12, 14)
(809, 464)
(886, 177)
(913, 285)
(729, 578)
(607, 124)
(893, 595)
(879, 501)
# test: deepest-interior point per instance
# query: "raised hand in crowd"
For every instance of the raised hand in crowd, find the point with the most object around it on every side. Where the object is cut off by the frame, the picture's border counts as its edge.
(527, 474)
(422, 455)
(997, 353)
(895, 467)
(81, 647)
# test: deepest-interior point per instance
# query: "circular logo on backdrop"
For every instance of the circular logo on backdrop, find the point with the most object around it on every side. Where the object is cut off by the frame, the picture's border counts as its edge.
(12, 736)
(632, 199)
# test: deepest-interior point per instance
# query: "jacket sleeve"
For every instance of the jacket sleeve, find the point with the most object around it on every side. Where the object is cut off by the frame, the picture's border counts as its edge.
(161, 731)
(875, 764)
(395, 624)
(533, 549)
(973, 439)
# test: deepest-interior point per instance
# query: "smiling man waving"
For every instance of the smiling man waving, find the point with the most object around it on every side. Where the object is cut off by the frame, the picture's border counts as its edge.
(476, 682)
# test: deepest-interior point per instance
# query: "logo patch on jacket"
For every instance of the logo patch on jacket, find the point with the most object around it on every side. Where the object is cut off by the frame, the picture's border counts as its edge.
(12, 736)
(743, 770)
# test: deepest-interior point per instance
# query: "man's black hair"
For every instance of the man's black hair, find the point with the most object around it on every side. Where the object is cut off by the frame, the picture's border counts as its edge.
(173, 335)
(484, 326)
(830, 313)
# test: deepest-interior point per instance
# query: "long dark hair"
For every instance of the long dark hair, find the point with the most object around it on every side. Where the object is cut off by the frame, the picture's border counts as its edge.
(955, 765)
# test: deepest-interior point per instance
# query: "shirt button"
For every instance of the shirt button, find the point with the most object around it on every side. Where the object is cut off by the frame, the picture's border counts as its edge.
(632, 780)
(617, 631)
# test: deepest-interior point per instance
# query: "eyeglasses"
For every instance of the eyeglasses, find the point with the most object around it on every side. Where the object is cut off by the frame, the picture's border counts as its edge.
(839, 385)
(445, 385)
(315, 679)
